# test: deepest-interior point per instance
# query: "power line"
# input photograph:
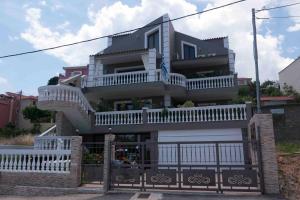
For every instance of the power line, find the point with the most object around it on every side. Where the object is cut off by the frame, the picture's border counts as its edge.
(122, 32)
(277, 7)
(278, 17)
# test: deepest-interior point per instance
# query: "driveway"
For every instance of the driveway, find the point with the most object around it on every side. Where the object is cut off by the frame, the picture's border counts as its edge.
(131, 196)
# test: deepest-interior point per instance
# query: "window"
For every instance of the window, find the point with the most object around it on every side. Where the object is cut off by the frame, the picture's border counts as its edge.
(74, 73)
(189, 51)
(153, 40)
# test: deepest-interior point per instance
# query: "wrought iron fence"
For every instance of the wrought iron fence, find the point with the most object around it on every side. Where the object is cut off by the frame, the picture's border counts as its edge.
(92, 162)
(211, 166)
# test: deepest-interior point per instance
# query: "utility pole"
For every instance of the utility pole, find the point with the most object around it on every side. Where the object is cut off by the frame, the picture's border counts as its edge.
(256, 62)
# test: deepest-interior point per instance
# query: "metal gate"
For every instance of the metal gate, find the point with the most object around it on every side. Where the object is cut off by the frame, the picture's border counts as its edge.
(92, 162)
(209, 166)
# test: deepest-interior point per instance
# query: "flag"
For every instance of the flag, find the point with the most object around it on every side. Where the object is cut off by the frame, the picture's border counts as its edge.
(164, 70)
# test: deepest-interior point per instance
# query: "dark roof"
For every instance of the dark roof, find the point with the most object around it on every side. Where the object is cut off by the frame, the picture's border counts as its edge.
(135, 41)
(206, 46)
(129, 42)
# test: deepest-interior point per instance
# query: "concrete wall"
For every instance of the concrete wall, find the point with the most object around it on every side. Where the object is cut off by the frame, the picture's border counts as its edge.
(10, 180)
(291, 75)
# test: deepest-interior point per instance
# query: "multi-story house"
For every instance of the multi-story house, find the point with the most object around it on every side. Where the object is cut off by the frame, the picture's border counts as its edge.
(126, 92)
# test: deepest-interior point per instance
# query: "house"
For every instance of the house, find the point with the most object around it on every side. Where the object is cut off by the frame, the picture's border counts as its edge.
(291, 75)
(244, 81)
(154, 84)
(11, 107)
(73, 71)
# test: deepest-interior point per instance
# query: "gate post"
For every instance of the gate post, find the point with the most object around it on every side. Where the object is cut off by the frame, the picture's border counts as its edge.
(263, 125)
(107, 160)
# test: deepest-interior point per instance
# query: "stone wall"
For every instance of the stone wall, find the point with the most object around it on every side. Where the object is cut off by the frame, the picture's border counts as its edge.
(72, 179)
(287, 125)
(63, 125)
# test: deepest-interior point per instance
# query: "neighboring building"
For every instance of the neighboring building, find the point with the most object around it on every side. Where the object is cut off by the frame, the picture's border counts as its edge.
(291, 75)
(141, 78)
(73, 71)
(277, 100)
(244, 81)
(11, 107)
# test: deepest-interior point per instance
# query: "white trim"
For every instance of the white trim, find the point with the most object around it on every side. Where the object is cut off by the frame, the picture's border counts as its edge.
(152, 31)
(189, 44)
(132, 67)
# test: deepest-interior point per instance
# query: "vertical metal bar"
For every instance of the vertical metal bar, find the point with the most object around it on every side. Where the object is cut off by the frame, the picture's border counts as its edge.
(260, 162)
(218, 168)
(179, 165)
(143, 167)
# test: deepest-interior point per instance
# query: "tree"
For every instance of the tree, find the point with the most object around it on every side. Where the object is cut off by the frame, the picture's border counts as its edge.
(36, 115)
(268, 88)
(53, 80)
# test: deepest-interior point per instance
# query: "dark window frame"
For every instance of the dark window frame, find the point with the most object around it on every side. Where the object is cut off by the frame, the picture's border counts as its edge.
(153, 40)
(189, 51)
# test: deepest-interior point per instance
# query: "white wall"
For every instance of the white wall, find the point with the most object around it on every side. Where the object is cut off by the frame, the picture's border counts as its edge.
(291, 75)
(201, 154)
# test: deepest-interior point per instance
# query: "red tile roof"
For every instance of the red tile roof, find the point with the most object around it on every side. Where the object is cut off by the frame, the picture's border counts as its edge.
(277, 98)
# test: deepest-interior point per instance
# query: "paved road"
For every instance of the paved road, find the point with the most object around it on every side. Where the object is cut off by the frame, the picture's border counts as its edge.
(128, 196)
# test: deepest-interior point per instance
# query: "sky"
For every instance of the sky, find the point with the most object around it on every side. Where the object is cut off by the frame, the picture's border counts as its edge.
(34, 24)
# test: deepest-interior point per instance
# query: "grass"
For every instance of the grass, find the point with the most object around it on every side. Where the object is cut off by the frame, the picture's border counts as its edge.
(288, 147)
(24, 140)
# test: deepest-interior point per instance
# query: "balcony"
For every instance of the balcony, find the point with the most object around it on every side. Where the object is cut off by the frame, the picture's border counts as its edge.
(174, 79)
(222, 116)
(134, 84)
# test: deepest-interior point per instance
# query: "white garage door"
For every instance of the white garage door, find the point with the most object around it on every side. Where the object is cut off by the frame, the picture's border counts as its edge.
(200, 135)
(201, 153)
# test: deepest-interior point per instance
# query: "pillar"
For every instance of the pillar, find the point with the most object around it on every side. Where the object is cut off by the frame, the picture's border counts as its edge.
(107, 161)
(263, 125)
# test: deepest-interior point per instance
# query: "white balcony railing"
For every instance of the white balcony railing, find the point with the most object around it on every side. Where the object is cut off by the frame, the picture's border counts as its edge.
(174, 115)
(64, 93)
(211, 82)
(198, 114)
(174, 79)
(52, 143)
(32, 160)
(119, 117)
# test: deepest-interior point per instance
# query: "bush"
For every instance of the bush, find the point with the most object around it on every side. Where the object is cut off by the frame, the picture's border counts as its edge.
(187, 104)
(10, 131)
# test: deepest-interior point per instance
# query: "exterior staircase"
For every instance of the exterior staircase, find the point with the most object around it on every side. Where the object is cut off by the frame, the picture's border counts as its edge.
(71, 101)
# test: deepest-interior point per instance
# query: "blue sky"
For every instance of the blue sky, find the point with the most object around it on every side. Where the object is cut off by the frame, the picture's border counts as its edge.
(29, 25)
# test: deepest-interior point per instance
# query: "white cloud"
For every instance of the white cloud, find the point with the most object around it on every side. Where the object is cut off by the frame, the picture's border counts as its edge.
(234, 21)
(5, 86)
(294, 28)
(294, 11)
(13, 38)
(43, 3)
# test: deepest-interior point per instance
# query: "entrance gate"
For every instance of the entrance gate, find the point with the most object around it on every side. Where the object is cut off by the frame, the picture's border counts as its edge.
(92, 162)
(209, 166)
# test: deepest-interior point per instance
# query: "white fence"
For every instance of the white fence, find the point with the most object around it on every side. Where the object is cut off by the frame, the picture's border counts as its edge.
(64, 93)
(173, 79)
(26, 160)
(174, 115)
(198, 114)
(52, 143)
(119, 117)
(211, 82)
